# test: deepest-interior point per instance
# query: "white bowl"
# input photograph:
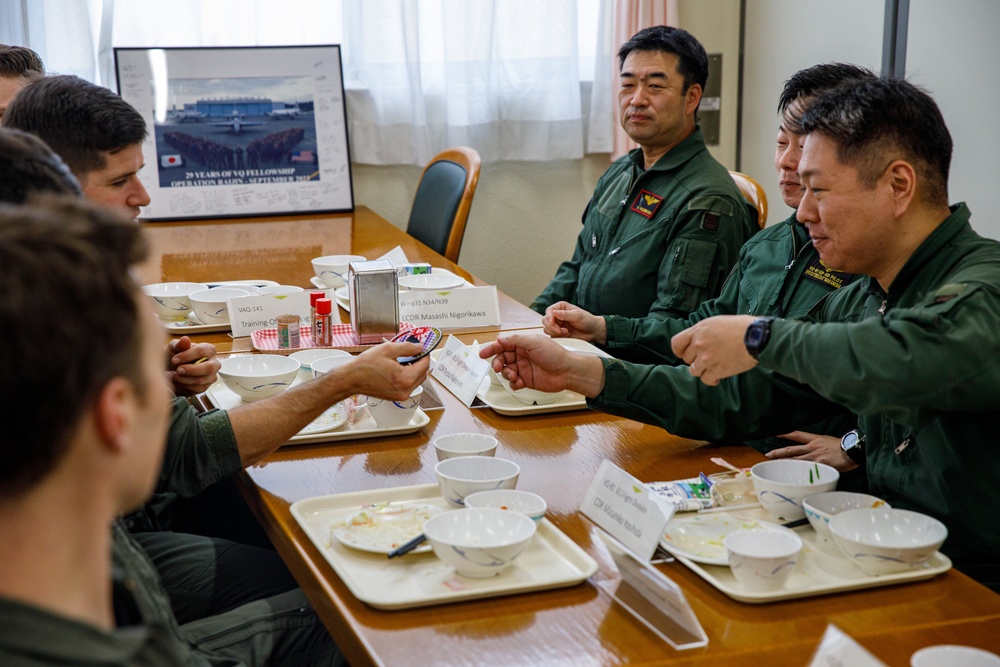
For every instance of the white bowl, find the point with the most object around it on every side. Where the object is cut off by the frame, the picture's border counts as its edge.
(431, 282)
(331, 270)
(479, 543)
(324, 365)
(886, 540)
(762, 559)
(821, 507)
(171, 300)
(392, 414)
(212, 306)
(464, 444)
(307, 357)
(464, 475)
(279, 289)
(953, 655)
(249, 288)
(530, 396)
(258, 376)
(781, 485)
(527, 503)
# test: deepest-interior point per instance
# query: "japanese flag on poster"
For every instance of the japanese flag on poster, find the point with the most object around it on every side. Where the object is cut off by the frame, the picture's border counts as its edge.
(167, 161)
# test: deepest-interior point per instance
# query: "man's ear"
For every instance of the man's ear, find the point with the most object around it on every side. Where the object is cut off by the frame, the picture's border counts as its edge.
(114, 412)
(902, 179)
(692, 97)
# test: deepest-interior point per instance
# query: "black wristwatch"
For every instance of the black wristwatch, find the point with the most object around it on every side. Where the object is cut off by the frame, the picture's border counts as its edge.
(757, 335)
(853, 444)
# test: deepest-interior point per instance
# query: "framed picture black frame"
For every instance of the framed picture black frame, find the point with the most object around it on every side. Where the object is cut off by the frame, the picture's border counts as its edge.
(240, 131)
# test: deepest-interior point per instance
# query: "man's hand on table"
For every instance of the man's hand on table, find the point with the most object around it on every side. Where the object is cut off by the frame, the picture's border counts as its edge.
(187, 374)
(537, 362)
(564, 320)
(813, 447)
(713, 349)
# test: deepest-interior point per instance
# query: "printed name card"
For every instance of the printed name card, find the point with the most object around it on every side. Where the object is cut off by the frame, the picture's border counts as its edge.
(624, 507)
(258, 311)
(465, 307)
(837, 648)
(460, 369)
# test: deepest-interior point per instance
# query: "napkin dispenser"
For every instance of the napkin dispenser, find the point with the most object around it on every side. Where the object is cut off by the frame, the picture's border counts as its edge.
(373, 288)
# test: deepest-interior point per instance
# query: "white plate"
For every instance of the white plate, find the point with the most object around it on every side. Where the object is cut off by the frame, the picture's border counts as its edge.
(222, 397)
(551, 561)
(384, 527)
(335, 416)
(344, 299)
(698, 537)
(501, 401)
(193, 325)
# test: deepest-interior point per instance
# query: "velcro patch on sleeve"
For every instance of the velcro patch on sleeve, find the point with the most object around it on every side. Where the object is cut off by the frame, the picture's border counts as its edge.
(946, 293)
(714, 208)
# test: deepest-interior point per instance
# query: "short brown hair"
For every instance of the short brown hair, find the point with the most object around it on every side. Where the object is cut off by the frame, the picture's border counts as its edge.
(20, 61)
(69, 311)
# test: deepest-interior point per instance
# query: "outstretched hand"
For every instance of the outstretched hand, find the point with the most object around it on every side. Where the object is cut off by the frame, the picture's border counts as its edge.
(713, 349)
(537, 362)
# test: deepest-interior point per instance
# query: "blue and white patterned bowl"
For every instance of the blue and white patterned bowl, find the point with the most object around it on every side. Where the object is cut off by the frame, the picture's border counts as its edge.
(781, 485)
(170, 300)
(464, 475)
(479, 543)
(822, 507)
(256, 376)
(212, 306)
(331, 270)
(886, 540)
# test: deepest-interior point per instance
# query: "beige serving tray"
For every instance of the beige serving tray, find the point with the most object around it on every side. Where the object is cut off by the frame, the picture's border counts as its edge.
(224, 398)
(822, 569)
(500, 400)
(419, 580)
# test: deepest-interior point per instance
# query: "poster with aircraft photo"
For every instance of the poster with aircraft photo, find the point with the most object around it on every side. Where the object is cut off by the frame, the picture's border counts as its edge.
(242, 131)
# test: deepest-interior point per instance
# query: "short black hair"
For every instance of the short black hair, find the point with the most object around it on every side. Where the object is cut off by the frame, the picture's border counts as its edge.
(20, 61)
(79, 120)
(876, 121)
(70, 315)
(693, 65)
(812, 80)
(28, 167)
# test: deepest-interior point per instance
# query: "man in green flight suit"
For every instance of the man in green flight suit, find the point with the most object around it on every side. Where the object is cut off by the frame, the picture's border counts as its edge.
(666, 221)
(912, 348)
(778, 273)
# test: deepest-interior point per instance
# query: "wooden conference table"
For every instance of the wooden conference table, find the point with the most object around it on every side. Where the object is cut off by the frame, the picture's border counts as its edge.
(559, 455)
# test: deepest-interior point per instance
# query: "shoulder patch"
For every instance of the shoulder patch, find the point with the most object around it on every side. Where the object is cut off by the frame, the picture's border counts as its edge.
(946, 293)
(714, 207)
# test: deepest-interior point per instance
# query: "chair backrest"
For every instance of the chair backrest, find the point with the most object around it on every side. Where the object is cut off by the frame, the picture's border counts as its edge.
(444, 197)
(753, 193)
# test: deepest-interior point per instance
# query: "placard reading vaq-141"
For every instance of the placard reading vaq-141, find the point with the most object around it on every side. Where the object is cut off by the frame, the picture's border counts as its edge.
(241, 131)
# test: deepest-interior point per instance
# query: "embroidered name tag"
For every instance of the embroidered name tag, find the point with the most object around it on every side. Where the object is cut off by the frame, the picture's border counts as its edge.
(646, 203)
(817, 271)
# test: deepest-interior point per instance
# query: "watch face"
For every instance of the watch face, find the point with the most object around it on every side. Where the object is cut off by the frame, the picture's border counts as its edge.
(755, 334)
(849, 441)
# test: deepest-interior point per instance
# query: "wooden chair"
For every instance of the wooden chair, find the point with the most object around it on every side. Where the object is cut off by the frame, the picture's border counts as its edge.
(753, 193)
(443, 199)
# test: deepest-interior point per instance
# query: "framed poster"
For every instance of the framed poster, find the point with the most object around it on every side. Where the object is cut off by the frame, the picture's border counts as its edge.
(240, 131)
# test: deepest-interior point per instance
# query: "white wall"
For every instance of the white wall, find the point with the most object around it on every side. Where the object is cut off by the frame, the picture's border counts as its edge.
(782, 37)
(953, 51)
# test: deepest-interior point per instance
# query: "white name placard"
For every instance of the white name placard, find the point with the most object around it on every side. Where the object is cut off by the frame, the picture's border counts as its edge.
(463, 307)
(624, 507)
(460, 369)
(258, 311)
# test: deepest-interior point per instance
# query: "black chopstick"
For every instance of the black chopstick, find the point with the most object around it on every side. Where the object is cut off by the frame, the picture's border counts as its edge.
(408, 547)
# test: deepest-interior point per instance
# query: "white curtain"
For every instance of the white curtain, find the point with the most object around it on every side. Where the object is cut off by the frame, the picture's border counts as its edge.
(510, 78)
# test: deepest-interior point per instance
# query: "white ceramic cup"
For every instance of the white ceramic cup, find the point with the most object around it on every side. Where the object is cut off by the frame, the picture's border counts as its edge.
(762, 559)
(952, 655)
(464, 444)
(392, 414)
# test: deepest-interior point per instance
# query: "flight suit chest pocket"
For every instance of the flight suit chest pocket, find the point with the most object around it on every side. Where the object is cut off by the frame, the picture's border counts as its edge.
(690, 270)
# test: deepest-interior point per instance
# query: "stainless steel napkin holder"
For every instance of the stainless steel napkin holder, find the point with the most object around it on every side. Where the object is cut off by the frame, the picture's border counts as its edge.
(373, 288)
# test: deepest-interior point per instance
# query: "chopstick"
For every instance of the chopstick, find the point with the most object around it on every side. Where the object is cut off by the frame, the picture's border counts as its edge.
(409, 546)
